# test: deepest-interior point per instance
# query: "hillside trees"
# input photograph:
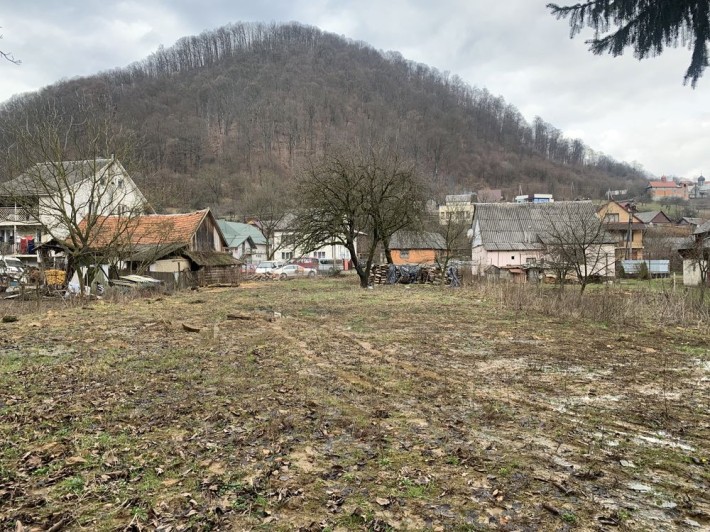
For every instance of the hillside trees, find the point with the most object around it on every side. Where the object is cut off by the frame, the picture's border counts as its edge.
(645, 26)
(256, 98)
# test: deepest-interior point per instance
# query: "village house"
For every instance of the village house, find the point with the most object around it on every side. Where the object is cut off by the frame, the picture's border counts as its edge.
(696, 256)
(416, 247)
(652, 218)
(244, 241)
(180, 249)
(667, 188)
(624, 225)
(42, 202)
(286, 250)
(457, 208)
(517, 237)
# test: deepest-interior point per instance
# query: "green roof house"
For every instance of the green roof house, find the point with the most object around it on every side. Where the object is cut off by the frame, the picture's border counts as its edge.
(244, 241)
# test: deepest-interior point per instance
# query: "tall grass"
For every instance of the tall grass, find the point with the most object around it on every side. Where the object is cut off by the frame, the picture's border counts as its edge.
(608, 304)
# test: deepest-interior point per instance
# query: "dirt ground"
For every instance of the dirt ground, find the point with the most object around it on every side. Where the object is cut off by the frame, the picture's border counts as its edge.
(316, 405)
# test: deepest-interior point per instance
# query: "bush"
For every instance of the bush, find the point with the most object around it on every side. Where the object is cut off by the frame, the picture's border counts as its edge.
(643, 272)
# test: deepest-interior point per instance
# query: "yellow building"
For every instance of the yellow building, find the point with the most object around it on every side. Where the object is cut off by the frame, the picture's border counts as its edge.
(620, 222)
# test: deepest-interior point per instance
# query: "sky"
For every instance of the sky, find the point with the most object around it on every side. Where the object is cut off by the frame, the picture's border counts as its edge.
(635, 111)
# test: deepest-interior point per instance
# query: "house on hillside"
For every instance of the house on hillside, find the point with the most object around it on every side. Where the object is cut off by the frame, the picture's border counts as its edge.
(667, 188)
(183, 249)
(416, 247)
(691, 222)
(47, 199)
(624, 225)
(508, 237)
(457, 208)
(244, 241)
(651, 218)
(696, 256)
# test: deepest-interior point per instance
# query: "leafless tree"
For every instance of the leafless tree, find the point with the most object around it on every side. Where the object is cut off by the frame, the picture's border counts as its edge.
(269, 205)
(8, 56)
(698, 254)
(348, 194)
(575, 241)
(72, 178)
(453, 225)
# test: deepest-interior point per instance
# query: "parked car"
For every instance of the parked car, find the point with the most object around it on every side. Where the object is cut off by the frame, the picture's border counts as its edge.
(268, 266)
(294, 270)
(12, 267)
(330, 265)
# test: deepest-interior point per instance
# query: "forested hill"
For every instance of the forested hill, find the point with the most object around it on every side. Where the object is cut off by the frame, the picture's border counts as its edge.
(225, 112)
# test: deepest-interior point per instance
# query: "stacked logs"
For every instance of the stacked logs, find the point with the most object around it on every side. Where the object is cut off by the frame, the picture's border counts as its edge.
(422, 274)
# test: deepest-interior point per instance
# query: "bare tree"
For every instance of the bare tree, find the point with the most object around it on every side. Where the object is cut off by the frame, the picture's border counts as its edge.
(395, 194)
(8, 56)
(698, 255)
(575, 241)
(347, 194)
(453, 225)
(72, 178)
(269, 205)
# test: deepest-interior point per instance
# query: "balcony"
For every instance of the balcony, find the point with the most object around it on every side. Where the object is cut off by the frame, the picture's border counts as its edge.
(19, 215)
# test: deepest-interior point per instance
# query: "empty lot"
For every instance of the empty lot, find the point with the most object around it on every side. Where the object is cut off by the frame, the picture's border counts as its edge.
(393, 408)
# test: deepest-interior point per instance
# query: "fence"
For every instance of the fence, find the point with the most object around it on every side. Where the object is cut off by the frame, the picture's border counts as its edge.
(204, 277)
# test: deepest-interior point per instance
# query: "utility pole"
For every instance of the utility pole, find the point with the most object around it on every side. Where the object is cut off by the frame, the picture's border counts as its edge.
(631, 208)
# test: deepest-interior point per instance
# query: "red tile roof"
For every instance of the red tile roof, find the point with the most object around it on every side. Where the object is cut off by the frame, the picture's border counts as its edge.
(663, 184)
(148, 229)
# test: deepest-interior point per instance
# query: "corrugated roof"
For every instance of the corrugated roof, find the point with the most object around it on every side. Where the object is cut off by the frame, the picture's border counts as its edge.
(44, 178)
(525, 226)
(648, 216)
(466, 197)
(417, 240)
(235, 233)
(703, 228)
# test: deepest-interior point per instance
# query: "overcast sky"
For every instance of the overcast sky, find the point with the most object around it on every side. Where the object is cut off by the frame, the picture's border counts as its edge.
(636, 111)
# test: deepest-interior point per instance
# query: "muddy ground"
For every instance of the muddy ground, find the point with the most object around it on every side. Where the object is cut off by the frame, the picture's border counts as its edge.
(320, 406)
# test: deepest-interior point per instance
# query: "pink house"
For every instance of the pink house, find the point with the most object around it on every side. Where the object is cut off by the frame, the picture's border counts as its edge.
(514, 234)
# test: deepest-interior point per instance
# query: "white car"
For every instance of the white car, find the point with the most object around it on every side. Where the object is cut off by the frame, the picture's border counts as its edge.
(12, 267)
(294, 270)
(268, 266)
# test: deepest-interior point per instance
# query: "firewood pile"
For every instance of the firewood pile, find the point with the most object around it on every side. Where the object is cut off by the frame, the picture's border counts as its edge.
(264, 277)
(406, 274)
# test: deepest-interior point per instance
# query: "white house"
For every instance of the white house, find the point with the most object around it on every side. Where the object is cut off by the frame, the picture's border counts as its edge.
(287, 251)
(44, 201)
(696, 256)
(457, 208)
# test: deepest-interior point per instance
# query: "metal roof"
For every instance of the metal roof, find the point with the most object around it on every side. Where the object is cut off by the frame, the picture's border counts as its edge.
(417, 240)
(236, 233)
(525, 226)
(45, 178)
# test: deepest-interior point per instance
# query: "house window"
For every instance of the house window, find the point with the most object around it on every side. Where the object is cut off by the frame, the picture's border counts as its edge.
(319, 254)
(612, 218)
(119, 182)
(404, 253)
(122, 210)
(531, 260)
(286, 255)
(512, 257)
